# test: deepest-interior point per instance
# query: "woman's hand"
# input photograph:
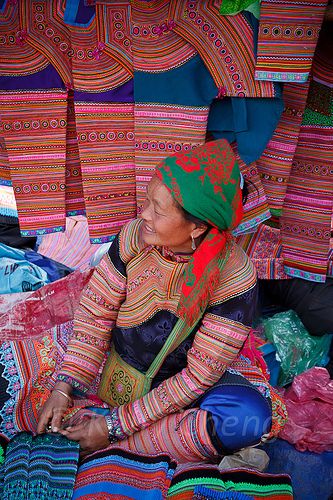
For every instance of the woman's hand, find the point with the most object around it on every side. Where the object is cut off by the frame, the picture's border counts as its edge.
(54, 409)
(92, 435)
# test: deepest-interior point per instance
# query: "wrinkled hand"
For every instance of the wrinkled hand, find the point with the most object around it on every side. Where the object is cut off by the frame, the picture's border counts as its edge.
(92, 435)
(53, 411)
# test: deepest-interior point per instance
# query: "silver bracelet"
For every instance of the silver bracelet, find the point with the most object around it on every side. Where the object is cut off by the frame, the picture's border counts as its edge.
(109, 425)
(64, 394)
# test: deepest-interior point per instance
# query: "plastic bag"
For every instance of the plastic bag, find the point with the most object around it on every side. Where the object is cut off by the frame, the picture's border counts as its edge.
(309, 402)
(29, 314)
(248, 458)
(297, 350)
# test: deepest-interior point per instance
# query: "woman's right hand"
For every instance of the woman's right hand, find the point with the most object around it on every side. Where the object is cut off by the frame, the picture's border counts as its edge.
(54, 409)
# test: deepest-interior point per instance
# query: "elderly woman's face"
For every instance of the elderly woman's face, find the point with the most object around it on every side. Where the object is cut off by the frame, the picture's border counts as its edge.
(163, 223)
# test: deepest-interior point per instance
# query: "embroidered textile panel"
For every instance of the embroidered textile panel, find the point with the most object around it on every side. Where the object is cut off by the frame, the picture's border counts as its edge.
(34, 125)
(307, 211)
(5, 179)
(274, 165)
(256, 207)
(288, 34)
(264, 248)
(225, 44)
(106, 146)
(161, 130)
(74, 199)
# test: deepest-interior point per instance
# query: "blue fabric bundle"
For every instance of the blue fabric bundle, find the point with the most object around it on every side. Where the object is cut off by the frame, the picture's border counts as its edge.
(41, 467)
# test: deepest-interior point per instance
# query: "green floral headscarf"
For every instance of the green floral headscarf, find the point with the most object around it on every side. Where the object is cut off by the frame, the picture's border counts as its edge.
(206, 183)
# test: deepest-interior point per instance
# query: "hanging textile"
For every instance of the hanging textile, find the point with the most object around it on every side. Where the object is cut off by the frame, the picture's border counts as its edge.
(256, 208)
(226, 44)
(5, 179)
(288, 34)
(74, 198)
(275, 163)
(264, 248)
(307, 211)
(34, 127)
(34, 124)
(103, 98)
(308, 207)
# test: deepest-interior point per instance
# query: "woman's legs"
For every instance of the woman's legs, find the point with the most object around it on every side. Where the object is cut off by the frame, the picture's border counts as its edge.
(183, 436)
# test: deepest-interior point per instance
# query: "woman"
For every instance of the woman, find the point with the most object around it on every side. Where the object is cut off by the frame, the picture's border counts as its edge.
(177, 271)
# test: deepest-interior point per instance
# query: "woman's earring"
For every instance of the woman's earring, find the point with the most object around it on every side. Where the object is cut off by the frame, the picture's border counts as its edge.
(193, 246)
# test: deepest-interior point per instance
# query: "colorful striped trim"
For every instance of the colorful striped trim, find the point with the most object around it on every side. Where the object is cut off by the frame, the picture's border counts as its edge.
(305, 275)
(277, 76)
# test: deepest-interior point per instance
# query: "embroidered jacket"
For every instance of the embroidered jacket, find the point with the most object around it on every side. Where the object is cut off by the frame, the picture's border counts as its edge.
(132, 299)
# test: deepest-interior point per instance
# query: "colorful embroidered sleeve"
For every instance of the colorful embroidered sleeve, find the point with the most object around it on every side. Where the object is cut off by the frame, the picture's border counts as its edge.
(216, 345)
(98, 312)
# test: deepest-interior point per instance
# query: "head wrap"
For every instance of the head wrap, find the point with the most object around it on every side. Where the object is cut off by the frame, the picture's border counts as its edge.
(206, 183)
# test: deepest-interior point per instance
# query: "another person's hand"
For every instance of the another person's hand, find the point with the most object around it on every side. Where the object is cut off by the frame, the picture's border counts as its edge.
(92, 435)
(54, 409)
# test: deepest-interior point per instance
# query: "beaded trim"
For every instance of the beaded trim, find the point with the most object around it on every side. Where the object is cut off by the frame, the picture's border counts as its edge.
(115, 429)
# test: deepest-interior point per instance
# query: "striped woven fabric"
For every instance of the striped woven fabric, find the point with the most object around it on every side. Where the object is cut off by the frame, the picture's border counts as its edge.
(16, 56)
(45, 32)
(72, 247)
(308, 208)
(156, 46)
(225, 44)
(255, 484)
(5, 179)
(288, 34)
(40, 467)
(264, 248)
(307, 211)
(275, 163)
(256, 207)
(93, 70)
(160, 130)
(122, 475)
(106, 146)
(34, 125)
(74, 199)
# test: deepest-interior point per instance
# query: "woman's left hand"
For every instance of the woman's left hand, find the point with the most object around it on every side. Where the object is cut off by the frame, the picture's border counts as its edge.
(92, 435)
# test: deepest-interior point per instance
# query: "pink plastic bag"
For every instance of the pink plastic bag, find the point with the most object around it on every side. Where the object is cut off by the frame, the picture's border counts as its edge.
(309, 403)
(29, 314)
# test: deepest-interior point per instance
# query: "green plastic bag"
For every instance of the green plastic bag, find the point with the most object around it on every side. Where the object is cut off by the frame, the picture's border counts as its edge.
(296, 349)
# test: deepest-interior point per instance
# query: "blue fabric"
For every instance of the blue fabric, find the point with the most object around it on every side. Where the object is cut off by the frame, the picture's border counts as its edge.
(188, 85)
(47, 78)
(241, 415)
(311, 473)
(55, 270)
(250, 121)
(40, 467)
(17, 274)
(77, 13)
(123, 93)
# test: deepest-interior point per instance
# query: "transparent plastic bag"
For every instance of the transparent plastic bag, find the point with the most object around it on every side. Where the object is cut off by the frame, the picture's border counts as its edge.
(296, 349)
